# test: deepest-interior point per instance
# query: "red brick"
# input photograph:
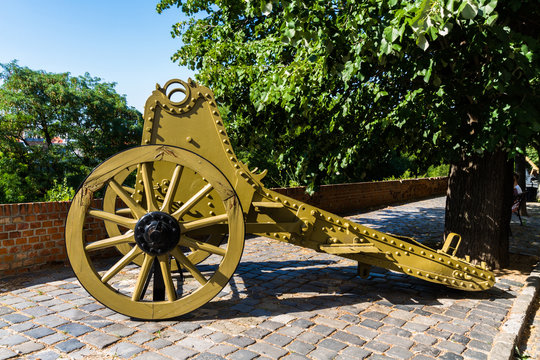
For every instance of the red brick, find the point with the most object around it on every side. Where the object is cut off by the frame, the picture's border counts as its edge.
(27, 233)
(10, 227)
(21, 241)
(22, 226)
(14, 234)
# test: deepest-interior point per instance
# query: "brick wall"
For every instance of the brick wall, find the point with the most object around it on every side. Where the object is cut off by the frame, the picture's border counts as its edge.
(343, 198)
(32, 234)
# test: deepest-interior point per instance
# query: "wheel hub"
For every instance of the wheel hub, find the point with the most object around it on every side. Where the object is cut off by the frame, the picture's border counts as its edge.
(157, 233)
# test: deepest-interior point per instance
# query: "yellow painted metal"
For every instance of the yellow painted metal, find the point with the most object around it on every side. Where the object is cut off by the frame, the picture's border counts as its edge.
(187, 168)
(131, 300)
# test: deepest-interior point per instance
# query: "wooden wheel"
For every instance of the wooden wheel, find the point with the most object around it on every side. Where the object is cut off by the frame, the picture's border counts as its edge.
(156, 233)
(112, 203)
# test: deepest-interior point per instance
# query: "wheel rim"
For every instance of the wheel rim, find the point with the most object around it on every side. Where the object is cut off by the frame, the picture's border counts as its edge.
(201, 283)
(111, 205)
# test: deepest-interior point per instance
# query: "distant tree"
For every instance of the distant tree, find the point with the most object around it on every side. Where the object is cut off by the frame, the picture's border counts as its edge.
(324, 88)
(92, 120)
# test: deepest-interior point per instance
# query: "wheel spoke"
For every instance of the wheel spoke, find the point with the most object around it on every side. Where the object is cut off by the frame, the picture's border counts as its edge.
(165, 265)
(175, 180)
(138, 211)
(192, 201)
(143, 275)
(177, 253)
(116, 240)
(126, 259)
(146, 170)
(201, 223)
(199, 245)
(117, 219)
(124, 212)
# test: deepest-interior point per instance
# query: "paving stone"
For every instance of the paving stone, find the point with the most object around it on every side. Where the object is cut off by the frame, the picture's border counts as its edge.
(270, 325)
(51, 321)
(119, 330)
(332, 344)
(73, 314)
(291, 331)
(322, 354)
(243, 355)
(69, 345)
(302, 323)
(451, 346)
(439, 333)
(323, 329)
(207, 356)
(196, 344)
(422, 357)
(124, 350)
(395, 340)
(99, 339)
(38, 311)
(331, 323)
(425, 339)
(27, 348)
(450, 356)
(13, 340)
(480, 345)
(22, 327)
(399, 352)
(487, 338)
(75, 329)
(417, 327)
(376, 345)
(241, 341)
(268, 350)
(348, 338)
(222, 349)
(141, 337)
(356, 352)
(39, 332)
(278, 340)
(15, 318)
(300, 347)
(295, 357)
(186, 327)
(372, 324)
(475, 355)
(54, 338)
(374, 315)
(310, 337)
(363, 332)
(44, 355)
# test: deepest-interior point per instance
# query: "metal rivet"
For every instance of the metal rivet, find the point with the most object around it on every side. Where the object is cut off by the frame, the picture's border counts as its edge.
(189, 139)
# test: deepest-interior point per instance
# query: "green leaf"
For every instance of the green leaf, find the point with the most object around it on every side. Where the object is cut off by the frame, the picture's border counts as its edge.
(267, 9)
(490, 20)
(422, 42)
(469, 11)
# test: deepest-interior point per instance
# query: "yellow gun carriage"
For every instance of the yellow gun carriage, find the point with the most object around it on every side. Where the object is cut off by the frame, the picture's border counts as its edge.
(179, 206)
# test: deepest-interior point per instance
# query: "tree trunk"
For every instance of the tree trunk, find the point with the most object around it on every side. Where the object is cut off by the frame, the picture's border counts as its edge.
(520, 170)
(478, 207)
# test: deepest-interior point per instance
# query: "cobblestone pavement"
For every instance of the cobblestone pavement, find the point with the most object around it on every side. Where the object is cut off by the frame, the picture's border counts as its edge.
(283, 302)
(530, 344)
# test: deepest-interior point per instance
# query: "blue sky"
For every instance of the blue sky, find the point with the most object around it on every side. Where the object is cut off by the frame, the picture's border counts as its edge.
(122, 41)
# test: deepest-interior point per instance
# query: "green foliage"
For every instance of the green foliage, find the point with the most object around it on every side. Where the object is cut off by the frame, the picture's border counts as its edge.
(60, 192)
(334, 91)
(88, 115)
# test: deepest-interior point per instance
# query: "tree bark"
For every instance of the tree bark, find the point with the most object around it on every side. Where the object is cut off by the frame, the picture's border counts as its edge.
(478, 207)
